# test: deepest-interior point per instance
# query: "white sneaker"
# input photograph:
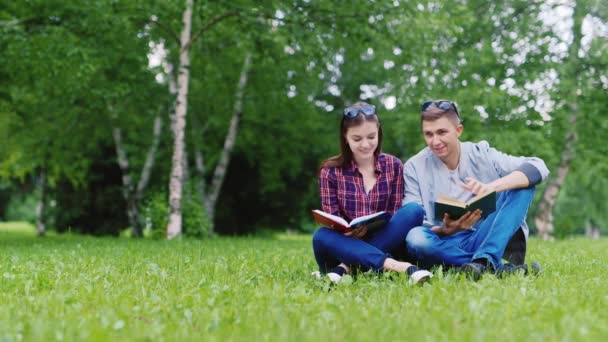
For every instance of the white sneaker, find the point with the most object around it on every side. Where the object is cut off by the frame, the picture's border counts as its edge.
(420, 277)
(333, 277)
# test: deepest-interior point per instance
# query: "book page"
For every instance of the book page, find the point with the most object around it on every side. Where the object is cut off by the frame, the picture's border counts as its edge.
(450, 201)
(334, 218)
(364, 218)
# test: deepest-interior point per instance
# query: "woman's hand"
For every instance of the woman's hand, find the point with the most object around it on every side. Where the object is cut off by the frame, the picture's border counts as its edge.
(357, 233)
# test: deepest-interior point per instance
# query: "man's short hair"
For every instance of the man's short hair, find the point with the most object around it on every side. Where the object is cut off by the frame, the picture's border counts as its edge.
(433, 112)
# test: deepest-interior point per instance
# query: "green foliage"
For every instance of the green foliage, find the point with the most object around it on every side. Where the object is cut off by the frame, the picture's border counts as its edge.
(233, 289)
(22, 208)
(73, 71)
(195, 221)
(156, 214)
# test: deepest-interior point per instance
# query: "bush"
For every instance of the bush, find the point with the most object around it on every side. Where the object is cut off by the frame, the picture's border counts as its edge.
(22, 207)
(156, 213)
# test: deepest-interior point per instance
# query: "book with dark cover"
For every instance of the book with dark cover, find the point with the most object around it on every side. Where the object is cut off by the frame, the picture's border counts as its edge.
(373, 222)
(444, 204)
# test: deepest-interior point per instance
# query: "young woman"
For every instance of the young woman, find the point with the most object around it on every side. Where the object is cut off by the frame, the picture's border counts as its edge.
(360, 181)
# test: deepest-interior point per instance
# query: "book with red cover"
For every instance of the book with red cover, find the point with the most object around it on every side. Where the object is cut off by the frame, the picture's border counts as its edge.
(373, 222)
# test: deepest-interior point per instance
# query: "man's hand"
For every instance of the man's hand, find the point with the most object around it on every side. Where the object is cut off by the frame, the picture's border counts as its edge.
(476, 187)
(465, 222)
(357, 233)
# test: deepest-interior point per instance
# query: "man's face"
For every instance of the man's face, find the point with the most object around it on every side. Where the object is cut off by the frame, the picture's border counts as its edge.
(442, 136)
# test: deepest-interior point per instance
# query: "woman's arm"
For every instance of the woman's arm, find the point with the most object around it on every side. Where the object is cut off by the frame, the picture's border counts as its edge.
(327, 191)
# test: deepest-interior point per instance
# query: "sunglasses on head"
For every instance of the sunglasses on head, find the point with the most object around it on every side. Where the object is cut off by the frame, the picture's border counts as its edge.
(441, 104)
(368, 110)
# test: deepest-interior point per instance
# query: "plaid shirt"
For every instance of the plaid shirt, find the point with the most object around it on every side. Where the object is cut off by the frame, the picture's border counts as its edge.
(343, 193)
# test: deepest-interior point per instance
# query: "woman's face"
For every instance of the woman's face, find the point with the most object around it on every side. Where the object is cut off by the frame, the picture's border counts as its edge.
(363, 140)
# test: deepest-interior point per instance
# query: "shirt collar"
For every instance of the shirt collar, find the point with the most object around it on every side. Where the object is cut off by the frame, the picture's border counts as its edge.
(352, 167)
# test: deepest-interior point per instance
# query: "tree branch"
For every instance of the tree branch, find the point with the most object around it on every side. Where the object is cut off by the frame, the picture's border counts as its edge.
(209, 24)
(171, 33)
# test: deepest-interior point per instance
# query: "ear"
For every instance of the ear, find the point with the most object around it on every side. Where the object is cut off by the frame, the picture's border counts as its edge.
(459, 130)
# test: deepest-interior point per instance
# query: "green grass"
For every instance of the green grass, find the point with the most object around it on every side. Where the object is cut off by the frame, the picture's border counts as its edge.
(236, 289)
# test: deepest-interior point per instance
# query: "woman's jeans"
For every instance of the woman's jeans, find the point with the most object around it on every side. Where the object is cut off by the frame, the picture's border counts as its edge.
(488, 240)
(332, 248)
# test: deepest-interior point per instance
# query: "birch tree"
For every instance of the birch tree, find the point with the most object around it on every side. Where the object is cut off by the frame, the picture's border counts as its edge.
(581, 76)
(133, 193)
(174, 226)
(209, 199)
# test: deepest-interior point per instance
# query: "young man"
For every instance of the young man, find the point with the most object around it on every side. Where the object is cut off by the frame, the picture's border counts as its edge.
(461, 170)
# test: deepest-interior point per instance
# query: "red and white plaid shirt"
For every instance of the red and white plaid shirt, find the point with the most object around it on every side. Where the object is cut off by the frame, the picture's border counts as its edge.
(343, 193)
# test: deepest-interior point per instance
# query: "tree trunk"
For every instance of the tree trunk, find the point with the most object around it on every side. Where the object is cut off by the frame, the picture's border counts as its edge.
(131, 194)
(174, 226)
(40, 220)
(150, 157)
(595, 232)
(209, 199)
(199, 163)
(544, 217)
(127, 185)
(592, 230)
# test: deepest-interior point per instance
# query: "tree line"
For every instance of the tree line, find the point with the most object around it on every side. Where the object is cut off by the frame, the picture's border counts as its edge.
(196, 117)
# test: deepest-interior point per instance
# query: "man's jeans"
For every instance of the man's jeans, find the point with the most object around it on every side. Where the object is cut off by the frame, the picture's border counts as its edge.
(332, 248)
(487, 241)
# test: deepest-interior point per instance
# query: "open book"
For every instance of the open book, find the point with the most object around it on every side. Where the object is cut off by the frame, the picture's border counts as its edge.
(373, 222)
(444, 204)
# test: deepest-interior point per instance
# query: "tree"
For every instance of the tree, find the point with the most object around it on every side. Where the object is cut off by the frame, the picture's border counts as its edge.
(579, 102)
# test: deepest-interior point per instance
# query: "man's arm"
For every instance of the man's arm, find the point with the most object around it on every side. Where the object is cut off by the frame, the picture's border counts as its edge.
(532, 168)
(412, 185)
(514, 180)
(514, 172)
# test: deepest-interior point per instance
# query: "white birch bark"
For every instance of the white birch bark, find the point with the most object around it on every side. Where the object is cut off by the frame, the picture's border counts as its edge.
(150, 157)
(40, 208)
(592, 231)
(222, 165)
(132, 194)
(127, 184)
(173, 92)
(174, 226)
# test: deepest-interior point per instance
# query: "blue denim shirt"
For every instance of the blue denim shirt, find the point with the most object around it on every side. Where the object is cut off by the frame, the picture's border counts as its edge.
(426, 177)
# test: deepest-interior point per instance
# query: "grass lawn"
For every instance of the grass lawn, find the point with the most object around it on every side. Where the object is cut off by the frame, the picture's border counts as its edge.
(226, 289)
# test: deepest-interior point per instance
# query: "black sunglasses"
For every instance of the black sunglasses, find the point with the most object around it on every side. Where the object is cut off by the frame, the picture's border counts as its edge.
(368, 110)
(441, 104)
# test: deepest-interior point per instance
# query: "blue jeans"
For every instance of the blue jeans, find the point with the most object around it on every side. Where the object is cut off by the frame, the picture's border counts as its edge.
(332, 248)
(488, 241)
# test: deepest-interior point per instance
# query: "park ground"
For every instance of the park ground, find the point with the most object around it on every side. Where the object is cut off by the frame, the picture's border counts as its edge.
(79, 288)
